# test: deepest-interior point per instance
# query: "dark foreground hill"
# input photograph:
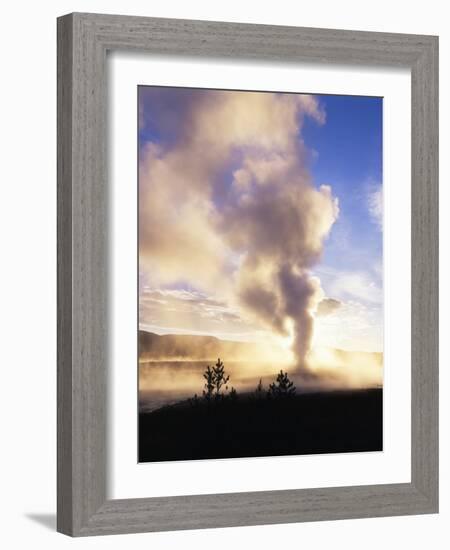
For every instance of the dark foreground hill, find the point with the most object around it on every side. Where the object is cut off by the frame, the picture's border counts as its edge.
(331, 422)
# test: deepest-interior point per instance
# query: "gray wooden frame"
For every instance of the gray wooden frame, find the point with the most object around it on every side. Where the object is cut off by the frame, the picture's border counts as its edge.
(83, 41)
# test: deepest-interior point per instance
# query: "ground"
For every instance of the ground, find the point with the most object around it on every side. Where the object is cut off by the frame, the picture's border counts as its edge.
(332, 422)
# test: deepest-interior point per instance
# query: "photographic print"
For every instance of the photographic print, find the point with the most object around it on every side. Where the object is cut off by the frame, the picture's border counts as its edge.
(260, 323)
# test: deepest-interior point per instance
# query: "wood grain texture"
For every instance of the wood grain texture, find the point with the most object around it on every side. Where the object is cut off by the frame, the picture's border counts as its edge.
(83, 248)
(425, 273)
(64, 297)
(83, 41)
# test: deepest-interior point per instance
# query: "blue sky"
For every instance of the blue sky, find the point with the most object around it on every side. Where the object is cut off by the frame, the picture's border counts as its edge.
(349, 158)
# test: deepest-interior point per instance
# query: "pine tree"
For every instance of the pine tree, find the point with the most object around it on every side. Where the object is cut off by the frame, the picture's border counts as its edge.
(208, 375)
(259, 389)
(283, 386)
(194, 401)
(215, 380)
(220, 378)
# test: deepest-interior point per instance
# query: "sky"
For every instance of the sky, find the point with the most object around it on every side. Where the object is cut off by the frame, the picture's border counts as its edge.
(260, 217)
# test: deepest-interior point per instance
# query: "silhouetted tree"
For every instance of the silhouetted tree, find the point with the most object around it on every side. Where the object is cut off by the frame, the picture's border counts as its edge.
(209, 376)
(220, 378)
(194, 401)
(215, 380)
(259, 392)
(283, 387)
(233, 394)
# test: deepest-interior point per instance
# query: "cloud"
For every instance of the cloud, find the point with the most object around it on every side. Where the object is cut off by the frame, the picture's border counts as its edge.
(355, 285)
(375, 205)
(227, 206)
(327, 306)
(190, 312)
(352, 326)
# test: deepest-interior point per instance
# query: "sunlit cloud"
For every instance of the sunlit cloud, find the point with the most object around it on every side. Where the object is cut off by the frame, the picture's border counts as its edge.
(327, 306)
(355, 286)
(353, 326)
(190, 312)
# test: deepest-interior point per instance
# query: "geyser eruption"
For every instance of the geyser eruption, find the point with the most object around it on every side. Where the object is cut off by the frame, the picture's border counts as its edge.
(247, 221)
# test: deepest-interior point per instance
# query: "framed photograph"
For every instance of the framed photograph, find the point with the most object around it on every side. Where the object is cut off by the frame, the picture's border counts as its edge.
(247, 274)
(260, 326)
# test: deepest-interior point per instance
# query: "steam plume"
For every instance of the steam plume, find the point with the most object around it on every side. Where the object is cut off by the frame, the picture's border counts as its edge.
(228, 206)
